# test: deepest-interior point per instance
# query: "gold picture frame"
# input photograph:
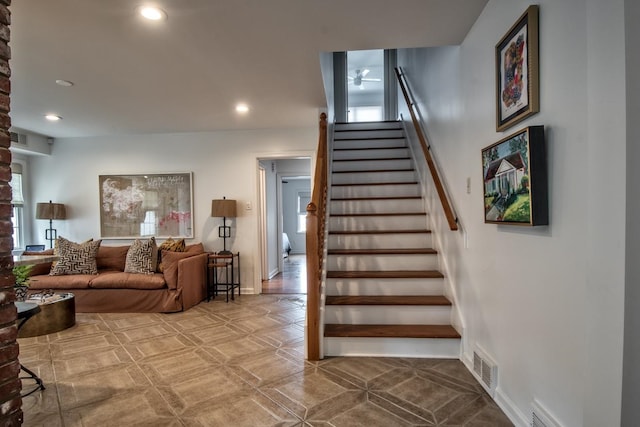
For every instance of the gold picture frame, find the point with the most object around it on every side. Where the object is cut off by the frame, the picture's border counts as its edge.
(517, 72)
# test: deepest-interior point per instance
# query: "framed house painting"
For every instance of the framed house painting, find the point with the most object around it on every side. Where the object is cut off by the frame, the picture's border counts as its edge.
(145, 205)
(515, 179)
(517, 91)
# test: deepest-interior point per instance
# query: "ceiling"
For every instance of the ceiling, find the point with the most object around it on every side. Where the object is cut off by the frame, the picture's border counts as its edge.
(187, 73)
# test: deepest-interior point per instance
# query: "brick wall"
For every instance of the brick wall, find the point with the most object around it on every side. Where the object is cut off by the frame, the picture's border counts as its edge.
(10, 402)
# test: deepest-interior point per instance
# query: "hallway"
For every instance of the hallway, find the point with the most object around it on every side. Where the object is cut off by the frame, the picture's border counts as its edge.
(292, 280)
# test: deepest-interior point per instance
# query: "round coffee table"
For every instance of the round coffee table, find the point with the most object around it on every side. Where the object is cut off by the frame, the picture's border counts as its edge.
(54, 316)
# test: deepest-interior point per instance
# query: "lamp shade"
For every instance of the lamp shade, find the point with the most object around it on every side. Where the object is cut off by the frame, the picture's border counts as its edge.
(223, 208)
(50, 211)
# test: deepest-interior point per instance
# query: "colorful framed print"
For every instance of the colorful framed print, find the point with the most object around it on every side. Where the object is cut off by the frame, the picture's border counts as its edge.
(515, 179)
(517, 91)
(159, 205)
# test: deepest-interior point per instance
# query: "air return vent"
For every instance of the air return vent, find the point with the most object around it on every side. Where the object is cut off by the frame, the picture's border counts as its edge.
(541, 418)
(486, 370)
(19, 138)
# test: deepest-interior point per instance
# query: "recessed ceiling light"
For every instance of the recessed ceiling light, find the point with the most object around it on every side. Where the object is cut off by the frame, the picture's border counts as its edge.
(242, 108)
(153, 13)
(53, 117)
(65, 83)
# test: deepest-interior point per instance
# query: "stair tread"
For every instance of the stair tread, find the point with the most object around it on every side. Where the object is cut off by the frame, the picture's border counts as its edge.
(362, 184)
(377, 159)
(394, 251)
(377, 170)
(391, 331)
(387, 300)
(380, 214)
(413, 231)
(376, 198)
(387, 274)
(392, 147)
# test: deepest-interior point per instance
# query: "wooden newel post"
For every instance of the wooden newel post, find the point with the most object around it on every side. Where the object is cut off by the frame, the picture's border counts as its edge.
(313, 284)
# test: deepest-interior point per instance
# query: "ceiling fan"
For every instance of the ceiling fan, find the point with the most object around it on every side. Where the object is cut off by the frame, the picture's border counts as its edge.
(361, 77)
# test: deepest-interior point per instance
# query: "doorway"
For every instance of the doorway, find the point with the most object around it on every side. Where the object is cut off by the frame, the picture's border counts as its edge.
(285, 191)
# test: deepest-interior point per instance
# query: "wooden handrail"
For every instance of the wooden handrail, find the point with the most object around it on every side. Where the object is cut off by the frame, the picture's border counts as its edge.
(444, 200)
(316, 211)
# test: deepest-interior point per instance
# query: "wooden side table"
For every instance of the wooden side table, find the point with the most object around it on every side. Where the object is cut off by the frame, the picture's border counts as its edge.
(223, 274)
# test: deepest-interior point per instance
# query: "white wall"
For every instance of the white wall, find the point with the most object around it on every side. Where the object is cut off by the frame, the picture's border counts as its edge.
(546, 303)
(631, 375)
(223, 164)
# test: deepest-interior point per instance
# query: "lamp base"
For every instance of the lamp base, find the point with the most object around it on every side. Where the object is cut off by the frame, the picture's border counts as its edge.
(225, 252)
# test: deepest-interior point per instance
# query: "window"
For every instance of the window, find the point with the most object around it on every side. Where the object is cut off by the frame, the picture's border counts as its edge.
(17, 201)
(304, 198)
(148, 226)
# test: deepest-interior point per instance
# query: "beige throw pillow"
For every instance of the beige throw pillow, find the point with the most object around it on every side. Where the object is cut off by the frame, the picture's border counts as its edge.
(142, 257)
(75, 258)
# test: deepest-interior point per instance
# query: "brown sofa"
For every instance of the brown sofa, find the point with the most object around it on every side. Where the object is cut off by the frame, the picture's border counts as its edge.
(180, 285)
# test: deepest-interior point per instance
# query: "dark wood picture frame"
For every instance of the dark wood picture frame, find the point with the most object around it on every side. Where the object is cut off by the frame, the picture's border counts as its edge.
(517, 72)
(514, 176)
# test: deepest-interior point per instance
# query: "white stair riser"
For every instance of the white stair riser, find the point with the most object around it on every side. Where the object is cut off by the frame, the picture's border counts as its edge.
(437, 348)
(387, 315)
(366, 134)
(371, 154)
(342, 192)
(370, 143)
(386, 241)
(375, 206)
(382, 262)
(366, 177)
(368, 223)
(381, 287)
(366, 125)
(371, 165)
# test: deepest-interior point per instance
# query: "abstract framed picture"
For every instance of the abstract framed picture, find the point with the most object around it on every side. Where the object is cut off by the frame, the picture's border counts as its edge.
(517, 90)
(145, 205)
(515, 179)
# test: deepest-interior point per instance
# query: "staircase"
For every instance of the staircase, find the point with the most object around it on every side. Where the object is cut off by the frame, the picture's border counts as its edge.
(384, 290)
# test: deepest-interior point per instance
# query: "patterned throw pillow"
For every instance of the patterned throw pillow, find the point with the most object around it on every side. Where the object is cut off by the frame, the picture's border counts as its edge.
(170, 245)
(75, 258)
(142, 257)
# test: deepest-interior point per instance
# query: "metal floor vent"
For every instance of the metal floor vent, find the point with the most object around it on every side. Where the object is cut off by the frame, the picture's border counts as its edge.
(541, 418)
(486, 370)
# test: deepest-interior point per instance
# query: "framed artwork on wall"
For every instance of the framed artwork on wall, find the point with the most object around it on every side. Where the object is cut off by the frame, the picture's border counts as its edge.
(517, 90)
(159, 205)
(515, 179)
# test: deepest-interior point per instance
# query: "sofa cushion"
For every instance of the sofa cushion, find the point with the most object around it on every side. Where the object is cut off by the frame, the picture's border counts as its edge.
(170, 261)
(72, 281)
(121, 280)
(112, 257)
(75, 258)
(142, 257)
(195, 249)
(171, 246)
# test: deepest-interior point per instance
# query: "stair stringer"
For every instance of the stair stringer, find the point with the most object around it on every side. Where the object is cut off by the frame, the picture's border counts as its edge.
(437, 223)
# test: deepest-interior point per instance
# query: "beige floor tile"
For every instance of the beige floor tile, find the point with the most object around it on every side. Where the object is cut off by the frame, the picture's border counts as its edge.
(244, 409)
(162, 345)
(91, 361)
(132, 408)
(102, 386)
(235, 364)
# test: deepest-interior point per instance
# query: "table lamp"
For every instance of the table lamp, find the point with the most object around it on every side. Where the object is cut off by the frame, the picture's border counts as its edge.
(224, 208)
(50, 211)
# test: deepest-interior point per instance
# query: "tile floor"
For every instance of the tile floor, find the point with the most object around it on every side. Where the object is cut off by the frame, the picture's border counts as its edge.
(235, 364)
